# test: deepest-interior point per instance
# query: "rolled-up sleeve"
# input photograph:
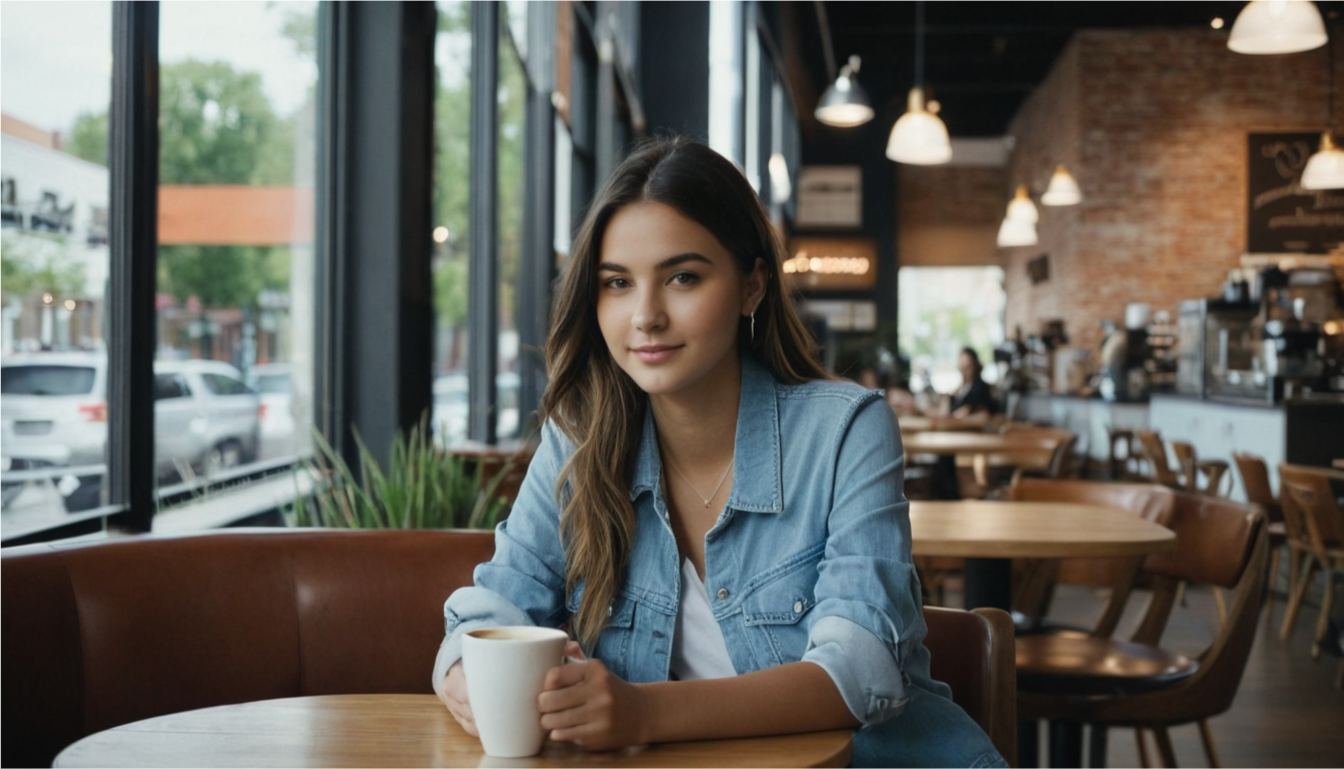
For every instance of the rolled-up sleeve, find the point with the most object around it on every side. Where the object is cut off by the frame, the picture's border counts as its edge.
(524, 584)
(867, 616)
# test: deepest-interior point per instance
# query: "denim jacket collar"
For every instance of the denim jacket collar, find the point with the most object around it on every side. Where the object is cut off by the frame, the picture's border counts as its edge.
(758, 486)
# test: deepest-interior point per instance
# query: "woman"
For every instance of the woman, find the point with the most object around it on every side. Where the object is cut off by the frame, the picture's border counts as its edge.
(720, 525)
(974, 397)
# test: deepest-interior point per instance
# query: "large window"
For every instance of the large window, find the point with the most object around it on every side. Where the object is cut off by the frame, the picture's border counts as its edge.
(512, 95)
(943, 309)
(236, 307)
(452, 217)
(53, 159)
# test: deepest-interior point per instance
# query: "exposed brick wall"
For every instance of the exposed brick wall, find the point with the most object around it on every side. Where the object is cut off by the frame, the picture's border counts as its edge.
(1152, 123)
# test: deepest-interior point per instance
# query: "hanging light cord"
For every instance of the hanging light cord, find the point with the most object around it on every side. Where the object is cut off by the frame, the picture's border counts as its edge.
(919, 43)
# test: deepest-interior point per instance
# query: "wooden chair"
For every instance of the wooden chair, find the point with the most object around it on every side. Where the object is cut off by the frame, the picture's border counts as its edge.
(1036, 588)
(993, 472)
(1071, 680)
(1191, 469)
(972, 652)
(1306, 490)
(1255, 479)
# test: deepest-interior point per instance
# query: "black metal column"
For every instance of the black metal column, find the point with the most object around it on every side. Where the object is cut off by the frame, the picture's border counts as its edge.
(483, 302)
(132, 335)
(375, 222)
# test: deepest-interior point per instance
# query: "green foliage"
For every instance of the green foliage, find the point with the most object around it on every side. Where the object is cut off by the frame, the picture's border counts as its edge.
(423, 487)
(37, 263)
(89, 138)
(213, 122)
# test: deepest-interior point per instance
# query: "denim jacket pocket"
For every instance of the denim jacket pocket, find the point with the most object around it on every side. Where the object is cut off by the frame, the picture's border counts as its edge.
(773, 614)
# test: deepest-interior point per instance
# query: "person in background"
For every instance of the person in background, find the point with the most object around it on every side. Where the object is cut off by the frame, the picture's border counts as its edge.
(974, 397)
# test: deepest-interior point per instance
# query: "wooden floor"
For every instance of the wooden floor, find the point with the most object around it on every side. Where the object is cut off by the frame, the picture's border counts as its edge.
(1286, 712)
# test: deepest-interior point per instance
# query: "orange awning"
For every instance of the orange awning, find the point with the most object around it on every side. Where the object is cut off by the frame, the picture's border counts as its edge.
(235, 215)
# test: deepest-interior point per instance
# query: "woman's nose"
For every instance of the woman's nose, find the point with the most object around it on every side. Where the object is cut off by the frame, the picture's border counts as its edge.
(649, 313)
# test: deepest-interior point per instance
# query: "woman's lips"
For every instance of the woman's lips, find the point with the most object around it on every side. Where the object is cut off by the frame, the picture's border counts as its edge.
(655, 353)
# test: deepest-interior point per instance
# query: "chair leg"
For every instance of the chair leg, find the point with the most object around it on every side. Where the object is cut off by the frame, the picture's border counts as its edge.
(1323, 623)
(1206, 736)
(1220, 601)
(1066, 744)
(1096, 746)
(1299, 592)
(1028, 743)
(1164, 746)
(1273, 578)
(1339, 676)
(1180, 593)
(1144, 761)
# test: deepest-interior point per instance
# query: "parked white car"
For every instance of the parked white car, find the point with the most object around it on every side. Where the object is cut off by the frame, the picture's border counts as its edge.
(53, 413)
(449, 417)
(272, 383)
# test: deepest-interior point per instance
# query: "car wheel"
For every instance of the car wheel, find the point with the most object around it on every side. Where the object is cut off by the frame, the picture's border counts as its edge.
(222, 457)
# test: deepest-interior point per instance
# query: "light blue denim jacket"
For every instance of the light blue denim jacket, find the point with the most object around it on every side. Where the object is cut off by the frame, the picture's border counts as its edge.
(810, 560)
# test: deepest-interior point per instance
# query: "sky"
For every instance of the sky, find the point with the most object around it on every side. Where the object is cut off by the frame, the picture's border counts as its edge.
(56, 57)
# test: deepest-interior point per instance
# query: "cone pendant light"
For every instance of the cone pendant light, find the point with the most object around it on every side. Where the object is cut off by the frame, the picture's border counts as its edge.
(919, 137)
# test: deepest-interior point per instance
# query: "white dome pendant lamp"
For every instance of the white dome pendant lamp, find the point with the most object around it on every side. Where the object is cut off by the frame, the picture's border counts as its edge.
(919, 137)
(1063, 189)
(1277, 26)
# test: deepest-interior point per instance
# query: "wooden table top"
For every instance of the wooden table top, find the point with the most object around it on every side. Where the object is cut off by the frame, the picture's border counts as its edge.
(395, 730)
(920, 424)
(937, 442)
(1339, 463)
(990, 529)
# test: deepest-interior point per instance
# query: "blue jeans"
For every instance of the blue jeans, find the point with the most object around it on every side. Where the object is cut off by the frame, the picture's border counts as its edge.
(901, 742)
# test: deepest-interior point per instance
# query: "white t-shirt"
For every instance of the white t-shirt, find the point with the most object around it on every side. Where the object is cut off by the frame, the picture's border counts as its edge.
(698, 648)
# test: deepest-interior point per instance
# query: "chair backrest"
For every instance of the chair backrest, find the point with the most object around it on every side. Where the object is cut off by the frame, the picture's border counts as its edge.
(1156, 453)
(102, 634)
(1218, 542)
(1322, 520)
(1255, 479)
(973, 652)
(1146, 500)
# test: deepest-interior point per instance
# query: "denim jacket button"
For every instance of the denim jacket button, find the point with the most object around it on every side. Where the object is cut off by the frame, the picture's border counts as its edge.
(609, 609)
(722, 594)
(797, 607)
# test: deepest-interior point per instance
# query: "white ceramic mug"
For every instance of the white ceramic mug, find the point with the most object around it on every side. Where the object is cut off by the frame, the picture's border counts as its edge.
(505, 669)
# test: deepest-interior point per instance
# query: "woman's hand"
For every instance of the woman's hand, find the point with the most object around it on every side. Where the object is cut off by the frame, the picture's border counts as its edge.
(584, 703)
(454, 695)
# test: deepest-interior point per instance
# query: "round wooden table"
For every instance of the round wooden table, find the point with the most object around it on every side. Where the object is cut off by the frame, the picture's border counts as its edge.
(394, 730)
(988, 533)
(921, 424)
(936, 442)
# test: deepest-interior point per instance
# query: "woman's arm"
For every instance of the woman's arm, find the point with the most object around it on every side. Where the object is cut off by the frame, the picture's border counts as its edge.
(590, 706)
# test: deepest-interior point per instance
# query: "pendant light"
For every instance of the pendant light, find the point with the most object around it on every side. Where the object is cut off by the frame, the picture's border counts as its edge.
(1277, 26)
(1012, 234)
(1325, 169)
(1021, 209)
(1019, 224)
(1063, 189)
(845, 104)
(919, 137)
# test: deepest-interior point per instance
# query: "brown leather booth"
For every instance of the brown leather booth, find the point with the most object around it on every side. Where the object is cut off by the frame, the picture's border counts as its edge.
(98, 635)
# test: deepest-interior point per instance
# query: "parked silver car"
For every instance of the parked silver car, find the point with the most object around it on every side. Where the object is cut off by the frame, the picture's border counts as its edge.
(53, 413)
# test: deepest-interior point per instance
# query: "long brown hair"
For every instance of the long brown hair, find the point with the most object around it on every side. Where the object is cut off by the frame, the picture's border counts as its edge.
(596, 404)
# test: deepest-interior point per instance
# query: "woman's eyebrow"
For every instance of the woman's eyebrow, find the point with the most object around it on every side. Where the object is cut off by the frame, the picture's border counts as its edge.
(671, 261)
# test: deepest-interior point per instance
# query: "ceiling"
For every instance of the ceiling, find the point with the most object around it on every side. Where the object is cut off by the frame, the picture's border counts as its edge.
(983, 59)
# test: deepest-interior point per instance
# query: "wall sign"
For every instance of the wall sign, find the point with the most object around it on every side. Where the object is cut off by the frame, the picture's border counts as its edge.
(1283, 218)
(830, 196)
(831, 264)
(844, 315)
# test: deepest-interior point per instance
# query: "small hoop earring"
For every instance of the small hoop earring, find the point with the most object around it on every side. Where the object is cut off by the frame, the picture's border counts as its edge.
(753, 325)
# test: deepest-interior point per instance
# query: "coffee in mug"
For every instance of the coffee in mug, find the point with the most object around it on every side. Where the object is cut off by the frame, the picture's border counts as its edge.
(505, 669)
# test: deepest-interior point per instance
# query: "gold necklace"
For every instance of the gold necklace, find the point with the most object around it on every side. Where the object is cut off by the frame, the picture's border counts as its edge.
(702, 497)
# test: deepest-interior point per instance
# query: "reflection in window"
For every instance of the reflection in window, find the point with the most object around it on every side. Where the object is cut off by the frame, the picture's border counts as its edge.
(238, 86)
(452, 170)
(56, 71)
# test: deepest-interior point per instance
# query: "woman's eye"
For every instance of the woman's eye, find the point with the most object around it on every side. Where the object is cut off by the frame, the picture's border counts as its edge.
(685, 278)
(616, 283)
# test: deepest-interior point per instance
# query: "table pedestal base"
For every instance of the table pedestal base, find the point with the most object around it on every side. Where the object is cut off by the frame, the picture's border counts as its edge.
(989, 583)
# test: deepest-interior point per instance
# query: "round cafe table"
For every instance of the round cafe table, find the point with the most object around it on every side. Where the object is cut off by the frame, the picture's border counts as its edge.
(988, 534)
(922, 424)
(395, 730)
(938, 442)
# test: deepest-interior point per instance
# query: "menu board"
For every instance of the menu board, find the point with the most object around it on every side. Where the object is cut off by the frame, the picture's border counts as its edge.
(1283, 218)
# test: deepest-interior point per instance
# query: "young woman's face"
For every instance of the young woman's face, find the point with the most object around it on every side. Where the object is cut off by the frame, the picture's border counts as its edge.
(670, 297)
